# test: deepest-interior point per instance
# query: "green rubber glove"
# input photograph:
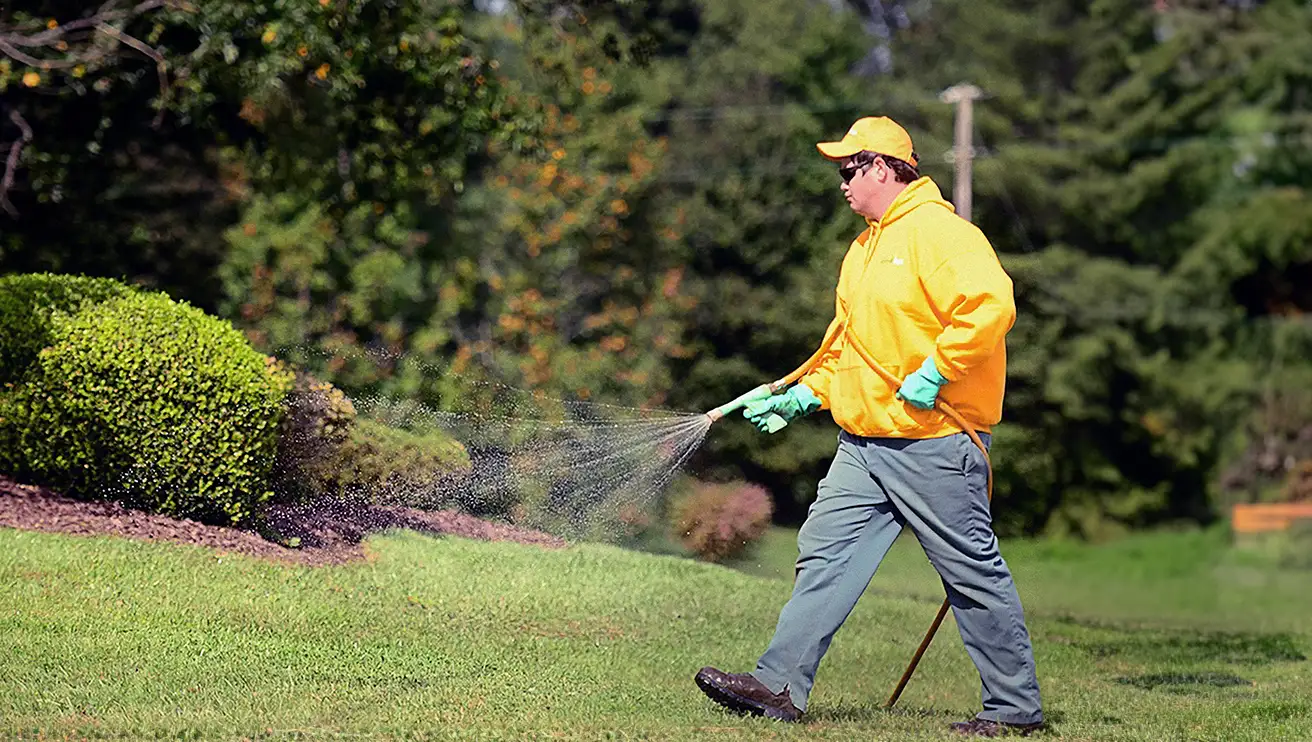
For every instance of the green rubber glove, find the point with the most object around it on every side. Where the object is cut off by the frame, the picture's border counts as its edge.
(797, 401)
(920, 388)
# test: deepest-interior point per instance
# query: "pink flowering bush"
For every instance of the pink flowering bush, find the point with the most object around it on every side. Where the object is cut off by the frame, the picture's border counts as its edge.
(719, 521)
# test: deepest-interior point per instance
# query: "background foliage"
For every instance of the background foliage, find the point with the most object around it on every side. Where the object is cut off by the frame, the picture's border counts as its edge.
(621, 202)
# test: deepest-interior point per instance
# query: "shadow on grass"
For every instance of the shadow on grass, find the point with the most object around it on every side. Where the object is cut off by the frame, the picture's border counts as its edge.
(1275, 711)
(1184, 682)
(1231, 649)
(1179, 646)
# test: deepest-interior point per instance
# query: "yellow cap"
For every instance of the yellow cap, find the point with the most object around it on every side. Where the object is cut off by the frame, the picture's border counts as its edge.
(878, 134)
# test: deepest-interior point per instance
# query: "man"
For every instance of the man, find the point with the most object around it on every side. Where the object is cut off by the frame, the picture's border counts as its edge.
(923, 292)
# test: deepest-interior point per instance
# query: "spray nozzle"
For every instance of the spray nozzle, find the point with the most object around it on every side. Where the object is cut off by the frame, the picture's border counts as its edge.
(773, 423)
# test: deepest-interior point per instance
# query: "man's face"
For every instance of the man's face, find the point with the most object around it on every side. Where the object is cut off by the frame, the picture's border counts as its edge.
(863, 185)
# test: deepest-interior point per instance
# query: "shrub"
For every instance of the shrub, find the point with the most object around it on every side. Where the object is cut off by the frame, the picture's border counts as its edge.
(388, 465)
(319, 409)
(1279, 437)
(1298, 487)
(317, 420)
(30, 302)
(719, 521)
(148, 401)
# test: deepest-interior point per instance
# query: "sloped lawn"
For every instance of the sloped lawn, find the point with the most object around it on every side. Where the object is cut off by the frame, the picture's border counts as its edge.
(436, 638)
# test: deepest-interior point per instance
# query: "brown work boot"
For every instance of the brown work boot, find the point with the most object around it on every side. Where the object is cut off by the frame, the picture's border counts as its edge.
(745, 694)
(989, 728)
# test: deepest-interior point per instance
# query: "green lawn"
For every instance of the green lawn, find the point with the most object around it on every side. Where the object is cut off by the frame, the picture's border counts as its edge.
(1184, 579)
(1163, 637)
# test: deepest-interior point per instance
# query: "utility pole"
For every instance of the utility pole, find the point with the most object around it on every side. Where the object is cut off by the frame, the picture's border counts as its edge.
(963, 150)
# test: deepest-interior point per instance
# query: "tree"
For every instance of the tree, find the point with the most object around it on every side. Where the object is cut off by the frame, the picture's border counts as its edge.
(676, 238)
(736, 214)
(764, 226)
(43, 56)
(341, 103)
(1142, 180)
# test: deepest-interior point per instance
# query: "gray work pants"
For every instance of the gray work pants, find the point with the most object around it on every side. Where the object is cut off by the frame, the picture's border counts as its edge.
(938, 487)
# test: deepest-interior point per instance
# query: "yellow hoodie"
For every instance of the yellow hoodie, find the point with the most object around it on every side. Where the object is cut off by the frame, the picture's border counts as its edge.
(921, 281)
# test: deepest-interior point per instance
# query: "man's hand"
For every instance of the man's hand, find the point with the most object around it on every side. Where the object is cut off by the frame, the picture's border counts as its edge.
(799, 400)
(920, 388)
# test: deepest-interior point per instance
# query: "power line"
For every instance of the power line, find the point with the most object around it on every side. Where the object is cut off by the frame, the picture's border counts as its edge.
(718, 112)
(1267, 139)
(1019, 227)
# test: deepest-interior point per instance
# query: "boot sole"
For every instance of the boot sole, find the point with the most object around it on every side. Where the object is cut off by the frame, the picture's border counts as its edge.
(737, 703)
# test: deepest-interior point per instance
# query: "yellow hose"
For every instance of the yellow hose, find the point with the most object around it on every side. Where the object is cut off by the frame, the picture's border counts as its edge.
(836, 328)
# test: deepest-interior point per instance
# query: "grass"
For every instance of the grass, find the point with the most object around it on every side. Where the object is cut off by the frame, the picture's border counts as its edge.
(1187, 578)
(1145, 639)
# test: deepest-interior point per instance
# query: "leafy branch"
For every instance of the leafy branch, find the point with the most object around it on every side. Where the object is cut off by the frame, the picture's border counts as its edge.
(76, 46)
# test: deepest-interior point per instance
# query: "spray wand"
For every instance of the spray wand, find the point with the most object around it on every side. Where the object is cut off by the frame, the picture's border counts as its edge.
(775, 423)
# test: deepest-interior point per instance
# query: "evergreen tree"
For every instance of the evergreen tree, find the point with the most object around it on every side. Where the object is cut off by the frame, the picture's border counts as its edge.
(1141, 177)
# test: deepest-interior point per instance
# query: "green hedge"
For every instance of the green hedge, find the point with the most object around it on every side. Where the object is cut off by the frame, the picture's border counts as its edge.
(149, 401)
(30, 302)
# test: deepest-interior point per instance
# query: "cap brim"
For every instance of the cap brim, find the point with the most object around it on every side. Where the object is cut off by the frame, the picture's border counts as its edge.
(837, 150)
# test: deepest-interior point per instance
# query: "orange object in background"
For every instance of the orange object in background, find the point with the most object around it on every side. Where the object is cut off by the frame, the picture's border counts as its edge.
(1266, 517)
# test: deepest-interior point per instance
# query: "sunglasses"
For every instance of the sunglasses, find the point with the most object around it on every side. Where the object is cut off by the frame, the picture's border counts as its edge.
(848, 172)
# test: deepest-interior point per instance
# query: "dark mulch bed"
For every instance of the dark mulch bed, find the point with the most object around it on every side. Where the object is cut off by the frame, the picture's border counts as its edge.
(329, 533)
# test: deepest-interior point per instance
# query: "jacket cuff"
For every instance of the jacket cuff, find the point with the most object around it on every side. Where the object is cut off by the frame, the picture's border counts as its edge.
(941, 367)
(806, 399)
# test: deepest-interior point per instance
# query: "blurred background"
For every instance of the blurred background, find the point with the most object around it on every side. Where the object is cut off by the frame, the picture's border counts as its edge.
(622, 203)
